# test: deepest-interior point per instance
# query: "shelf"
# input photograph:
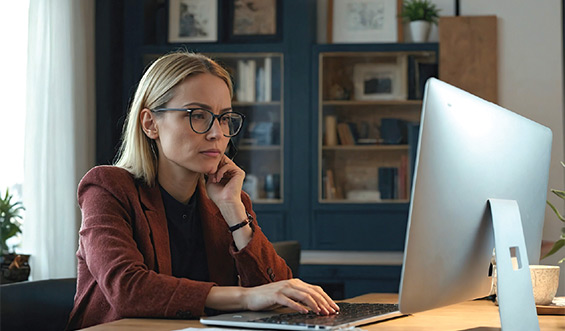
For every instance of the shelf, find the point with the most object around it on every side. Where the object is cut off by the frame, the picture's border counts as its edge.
(315, 257)
(351, 103)
(369, 92)
(366, 148)
(377, 47)
(267, 201)
(349, 201)
(259, 148)
(255, 103)
(218, 49)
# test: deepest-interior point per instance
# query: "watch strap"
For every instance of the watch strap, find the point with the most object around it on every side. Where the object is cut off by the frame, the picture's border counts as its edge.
(243, 223)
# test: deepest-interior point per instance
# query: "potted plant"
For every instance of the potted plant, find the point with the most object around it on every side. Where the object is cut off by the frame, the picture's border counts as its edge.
(561, 242)
(420, 14)
(14, 267)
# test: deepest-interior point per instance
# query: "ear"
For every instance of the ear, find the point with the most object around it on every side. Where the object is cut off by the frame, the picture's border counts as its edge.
(148, 123)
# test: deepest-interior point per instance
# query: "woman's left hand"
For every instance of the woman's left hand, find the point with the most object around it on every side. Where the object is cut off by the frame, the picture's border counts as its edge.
(224, 186)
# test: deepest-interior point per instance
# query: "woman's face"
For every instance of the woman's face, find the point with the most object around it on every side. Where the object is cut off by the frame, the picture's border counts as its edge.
(182, 150)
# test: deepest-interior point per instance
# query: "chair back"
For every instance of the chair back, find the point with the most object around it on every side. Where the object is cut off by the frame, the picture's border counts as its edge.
(290, 252)
(36, 305)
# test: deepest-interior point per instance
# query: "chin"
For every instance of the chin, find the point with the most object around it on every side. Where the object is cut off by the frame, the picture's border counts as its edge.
(210, 170)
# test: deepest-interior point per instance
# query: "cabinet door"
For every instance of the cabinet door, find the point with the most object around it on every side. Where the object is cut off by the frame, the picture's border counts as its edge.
(258, 81)
(369, 109)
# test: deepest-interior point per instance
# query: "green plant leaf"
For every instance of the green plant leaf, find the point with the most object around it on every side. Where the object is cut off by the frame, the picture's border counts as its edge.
(415, 10)
(556, 247)
(556, 211)
(9, 215)
(559, 193)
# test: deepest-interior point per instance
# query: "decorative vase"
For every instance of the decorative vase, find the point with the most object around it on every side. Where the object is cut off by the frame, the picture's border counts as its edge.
(420, 30)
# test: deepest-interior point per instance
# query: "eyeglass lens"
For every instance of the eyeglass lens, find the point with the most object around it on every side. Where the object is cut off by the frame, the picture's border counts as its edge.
(202, 120)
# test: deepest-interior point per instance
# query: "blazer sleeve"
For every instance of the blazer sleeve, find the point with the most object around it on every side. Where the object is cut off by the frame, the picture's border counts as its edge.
(111, 244)
(258, 263)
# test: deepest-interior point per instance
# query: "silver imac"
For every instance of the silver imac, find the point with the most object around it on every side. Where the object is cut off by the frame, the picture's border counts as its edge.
(480, 182)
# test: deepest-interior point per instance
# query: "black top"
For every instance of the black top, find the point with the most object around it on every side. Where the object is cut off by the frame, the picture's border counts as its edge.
(186, 239)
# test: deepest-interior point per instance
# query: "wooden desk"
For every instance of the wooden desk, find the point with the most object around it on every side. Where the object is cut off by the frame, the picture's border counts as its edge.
(470, 315)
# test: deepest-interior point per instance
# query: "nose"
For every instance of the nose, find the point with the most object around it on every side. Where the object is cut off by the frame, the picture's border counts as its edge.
(215, 131)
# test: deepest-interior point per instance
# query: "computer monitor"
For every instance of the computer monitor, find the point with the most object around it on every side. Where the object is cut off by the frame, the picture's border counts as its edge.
(469, 151)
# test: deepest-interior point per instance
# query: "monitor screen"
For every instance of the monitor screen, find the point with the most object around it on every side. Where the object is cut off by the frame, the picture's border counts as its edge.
(469, 151)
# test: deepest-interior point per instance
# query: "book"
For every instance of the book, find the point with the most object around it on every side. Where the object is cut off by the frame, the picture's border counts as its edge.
(268, 86)
(250, 80)
(330, 132)
(344, 134)
(260, 84)
(354, 131)
(402, 178)
(330, 185)
(413, 129)
(388, 182)
(240, 85)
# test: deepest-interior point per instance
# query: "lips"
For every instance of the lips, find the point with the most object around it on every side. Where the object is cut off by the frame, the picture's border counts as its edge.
(211, 152)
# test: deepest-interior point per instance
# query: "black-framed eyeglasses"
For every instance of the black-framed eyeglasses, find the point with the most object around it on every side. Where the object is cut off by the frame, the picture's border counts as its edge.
(201, 120)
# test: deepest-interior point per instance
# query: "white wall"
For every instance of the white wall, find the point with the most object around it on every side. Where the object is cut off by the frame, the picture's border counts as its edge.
(531, 79)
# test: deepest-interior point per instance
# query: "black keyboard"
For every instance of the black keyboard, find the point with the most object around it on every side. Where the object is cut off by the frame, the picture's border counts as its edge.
(349, 312)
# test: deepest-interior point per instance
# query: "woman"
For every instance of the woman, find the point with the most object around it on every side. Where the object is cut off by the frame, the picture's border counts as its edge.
(167, 231)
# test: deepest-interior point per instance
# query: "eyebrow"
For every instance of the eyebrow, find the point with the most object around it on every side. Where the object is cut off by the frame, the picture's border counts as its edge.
(205, 106)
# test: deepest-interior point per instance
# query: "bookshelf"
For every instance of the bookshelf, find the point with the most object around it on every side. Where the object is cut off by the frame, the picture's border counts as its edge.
(368, 112)
(258, 94)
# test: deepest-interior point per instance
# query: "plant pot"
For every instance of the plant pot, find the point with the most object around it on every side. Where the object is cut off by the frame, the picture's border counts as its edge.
(420, 31)
(14, 268)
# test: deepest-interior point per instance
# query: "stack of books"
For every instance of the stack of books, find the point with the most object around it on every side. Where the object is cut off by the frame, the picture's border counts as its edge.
(254, 80)
(393, 181)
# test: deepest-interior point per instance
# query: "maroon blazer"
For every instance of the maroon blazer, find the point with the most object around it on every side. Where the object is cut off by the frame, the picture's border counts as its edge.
(124, 259)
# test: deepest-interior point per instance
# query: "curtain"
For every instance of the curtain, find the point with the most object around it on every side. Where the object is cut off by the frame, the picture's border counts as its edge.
(59, 139)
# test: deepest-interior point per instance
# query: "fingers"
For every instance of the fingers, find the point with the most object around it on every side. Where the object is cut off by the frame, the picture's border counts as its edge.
(226, 170)
(317, 299)
(286, 301)
(310, 300)
(310, 295)
(329, 300)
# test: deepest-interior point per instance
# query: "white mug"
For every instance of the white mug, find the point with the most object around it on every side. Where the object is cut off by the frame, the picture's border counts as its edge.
(545, 280)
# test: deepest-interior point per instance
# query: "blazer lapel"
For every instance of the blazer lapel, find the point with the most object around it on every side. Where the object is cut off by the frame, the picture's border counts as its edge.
(152, 201)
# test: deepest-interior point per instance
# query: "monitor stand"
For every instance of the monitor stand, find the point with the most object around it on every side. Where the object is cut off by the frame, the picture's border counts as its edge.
(516, 304)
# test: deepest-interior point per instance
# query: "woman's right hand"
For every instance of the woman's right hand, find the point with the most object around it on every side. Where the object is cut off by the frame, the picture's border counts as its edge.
(292, 293)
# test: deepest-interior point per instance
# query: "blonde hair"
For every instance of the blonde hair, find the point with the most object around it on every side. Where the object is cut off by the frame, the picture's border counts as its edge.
(138, 153)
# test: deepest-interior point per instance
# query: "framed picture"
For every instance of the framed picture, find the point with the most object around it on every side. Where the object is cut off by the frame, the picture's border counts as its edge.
(193, 21)
(380, 81)
(364, 21)
(254, 20)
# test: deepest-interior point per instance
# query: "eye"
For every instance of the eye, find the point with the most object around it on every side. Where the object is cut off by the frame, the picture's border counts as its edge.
(226, 119)
(199, 115)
